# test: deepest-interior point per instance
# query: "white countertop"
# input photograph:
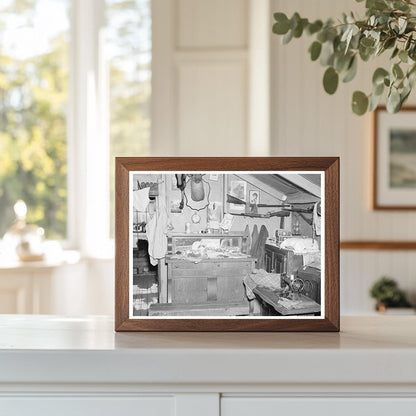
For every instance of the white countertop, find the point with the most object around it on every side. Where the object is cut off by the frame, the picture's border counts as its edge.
(53, 349)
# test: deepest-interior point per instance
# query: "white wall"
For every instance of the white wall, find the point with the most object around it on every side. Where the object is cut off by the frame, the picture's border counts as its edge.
(200, 77)
(308, 122)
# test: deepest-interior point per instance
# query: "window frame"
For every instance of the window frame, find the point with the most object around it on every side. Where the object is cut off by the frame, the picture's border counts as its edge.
(88, 133)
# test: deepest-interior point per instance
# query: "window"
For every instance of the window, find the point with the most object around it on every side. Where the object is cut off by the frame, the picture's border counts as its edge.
(33, 97)
(75, 87)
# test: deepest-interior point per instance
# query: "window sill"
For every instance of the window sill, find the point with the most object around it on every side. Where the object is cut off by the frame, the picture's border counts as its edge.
(50, 261)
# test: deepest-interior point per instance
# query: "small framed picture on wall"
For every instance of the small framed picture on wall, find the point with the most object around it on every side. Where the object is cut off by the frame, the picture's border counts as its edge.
(237, 196)
(254, 197)
(394, 150)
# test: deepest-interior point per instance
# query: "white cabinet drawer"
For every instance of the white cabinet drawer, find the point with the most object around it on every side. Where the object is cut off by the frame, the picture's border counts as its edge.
(273, 406)
(87, 406)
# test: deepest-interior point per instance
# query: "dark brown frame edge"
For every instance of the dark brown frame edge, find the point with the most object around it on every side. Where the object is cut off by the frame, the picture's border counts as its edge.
(378, 245)
(330, 165)
(375, 205)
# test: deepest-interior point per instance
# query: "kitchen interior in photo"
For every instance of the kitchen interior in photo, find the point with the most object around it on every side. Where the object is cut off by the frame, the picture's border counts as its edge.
(226, 244)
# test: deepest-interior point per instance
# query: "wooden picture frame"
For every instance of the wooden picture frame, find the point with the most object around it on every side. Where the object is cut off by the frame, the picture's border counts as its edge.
(394, 155)
(326, 167)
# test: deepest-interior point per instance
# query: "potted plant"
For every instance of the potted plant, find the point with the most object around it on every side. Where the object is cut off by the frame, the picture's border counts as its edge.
(389, 27)
(387, 294)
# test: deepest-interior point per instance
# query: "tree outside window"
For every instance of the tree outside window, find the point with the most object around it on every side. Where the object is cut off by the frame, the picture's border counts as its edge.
(34, 93)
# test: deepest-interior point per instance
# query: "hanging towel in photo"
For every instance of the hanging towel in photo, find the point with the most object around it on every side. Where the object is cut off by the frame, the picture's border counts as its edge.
(141, 199)
(157, 228)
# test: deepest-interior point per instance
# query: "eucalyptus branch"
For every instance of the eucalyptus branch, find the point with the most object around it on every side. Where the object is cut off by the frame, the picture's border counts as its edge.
(390, 25)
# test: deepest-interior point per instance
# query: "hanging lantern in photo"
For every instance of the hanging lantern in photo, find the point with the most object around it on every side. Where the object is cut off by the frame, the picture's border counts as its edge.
(197, 188)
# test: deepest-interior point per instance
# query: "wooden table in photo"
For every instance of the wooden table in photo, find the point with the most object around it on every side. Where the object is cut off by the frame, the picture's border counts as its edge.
(212, 284)
(271, 298)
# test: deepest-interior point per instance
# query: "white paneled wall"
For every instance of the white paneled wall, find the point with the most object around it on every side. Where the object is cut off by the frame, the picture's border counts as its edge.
(200, 74)
(359, 269)
(212, 105)
(212, 24)
(308, 122)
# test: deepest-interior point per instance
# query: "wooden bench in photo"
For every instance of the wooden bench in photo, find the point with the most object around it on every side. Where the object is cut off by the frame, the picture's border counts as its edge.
(201, 309)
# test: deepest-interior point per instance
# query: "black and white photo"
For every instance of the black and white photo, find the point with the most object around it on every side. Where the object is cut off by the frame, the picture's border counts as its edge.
(226, 244)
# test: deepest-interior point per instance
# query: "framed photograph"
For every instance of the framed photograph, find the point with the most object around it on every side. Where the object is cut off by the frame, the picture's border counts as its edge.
(394, 179)
(238, 193)
(254, 197)
(235, 273)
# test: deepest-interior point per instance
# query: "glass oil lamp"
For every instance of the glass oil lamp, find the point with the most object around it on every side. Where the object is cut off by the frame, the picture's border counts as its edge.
(26, 241)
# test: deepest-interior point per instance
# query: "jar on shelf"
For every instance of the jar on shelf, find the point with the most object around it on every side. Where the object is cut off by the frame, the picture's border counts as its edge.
(23, 240)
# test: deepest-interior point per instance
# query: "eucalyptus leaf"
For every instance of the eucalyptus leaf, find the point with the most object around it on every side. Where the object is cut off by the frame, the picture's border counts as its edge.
(394, 25)
(411, 78)
(327, 54)
(350, 18)
(376, 36)
(366, 53)
(341, 62)
(379, 75)
(378, 89)
(395, 52)
(355, 41)
(404, 96)
(352, 32)
(322, 36)
(298, 30)
(367, 42)
(346, 34)
(330, 80)
(389, 43)
(400, 5)
(351, 72)
(294, 20)
(314, 27)
(400, 85)
(403, 56)
(281, 27)
(315, 50)
(337, 44)
(402, 22)
(376, 4)
(359, 103)
(288, 37)
(393, 101)
(397, 71)
(374, 102)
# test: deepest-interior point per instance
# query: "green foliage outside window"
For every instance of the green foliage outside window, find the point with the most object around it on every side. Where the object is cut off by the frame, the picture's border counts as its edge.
(34, 104)
(33, 99)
